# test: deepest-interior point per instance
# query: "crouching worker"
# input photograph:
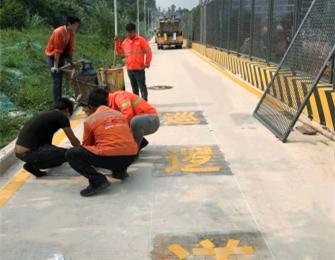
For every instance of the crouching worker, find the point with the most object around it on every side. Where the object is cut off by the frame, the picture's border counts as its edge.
(34, 144)
(107, 143)
(141, 116)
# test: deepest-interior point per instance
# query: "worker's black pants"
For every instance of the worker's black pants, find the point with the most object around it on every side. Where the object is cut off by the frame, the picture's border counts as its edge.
(57, 79)
(44, 157)
(83, 161)
(137, 80)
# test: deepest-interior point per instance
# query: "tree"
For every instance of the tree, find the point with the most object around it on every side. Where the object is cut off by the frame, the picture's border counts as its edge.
(12, 14)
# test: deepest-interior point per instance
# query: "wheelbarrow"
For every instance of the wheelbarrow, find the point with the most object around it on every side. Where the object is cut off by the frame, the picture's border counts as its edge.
(83, 79)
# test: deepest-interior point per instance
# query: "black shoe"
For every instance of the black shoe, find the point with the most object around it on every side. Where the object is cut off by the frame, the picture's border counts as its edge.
(90, 191)
(120, 175)
(144, 143)
(33, 170)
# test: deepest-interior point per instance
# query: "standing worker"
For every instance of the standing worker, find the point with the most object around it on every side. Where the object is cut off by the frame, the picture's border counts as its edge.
(138, 57)
(107, 143)
(61, 47)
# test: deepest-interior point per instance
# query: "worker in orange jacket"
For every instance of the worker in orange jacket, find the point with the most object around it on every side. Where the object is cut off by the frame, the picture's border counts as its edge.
(138, 57)
(61, 47)
(107, 143)
(141, 116)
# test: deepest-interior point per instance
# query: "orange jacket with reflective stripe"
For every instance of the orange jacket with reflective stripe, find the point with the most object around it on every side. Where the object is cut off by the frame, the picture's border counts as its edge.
(58, 42)
(130, 104)
(107, 133)
(134, 50)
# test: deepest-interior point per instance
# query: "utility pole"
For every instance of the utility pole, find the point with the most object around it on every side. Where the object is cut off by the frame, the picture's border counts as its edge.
(138, 16)
(148, 19)
(115, 18)
(144, 17)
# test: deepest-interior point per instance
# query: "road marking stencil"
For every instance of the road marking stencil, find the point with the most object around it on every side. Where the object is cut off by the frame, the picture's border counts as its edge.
(182, 118)
(183, 160)
(210, 246)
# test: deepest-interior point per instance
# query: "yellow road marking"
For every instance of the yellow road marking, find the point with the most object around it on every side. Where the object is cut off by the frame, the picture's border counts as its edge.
(207, 244)
(203, 251)
(220, 253)
(174, 162)
(20, 178)
(193, 161)
(178, 251)
(181, 118)
(207, 250)
(12, 186)
(203, 170)
(223, 253)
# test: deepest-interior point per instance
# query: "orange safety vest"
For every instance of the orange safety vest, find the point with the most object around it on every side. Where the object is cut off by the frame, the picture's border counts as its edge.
(134, 50)
(130, 105)
(58, 42)
(107, 133)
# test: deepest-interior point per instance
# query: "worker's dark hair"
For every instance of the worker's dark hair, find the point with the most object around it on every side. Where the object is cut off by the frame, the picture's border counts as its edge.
(96, 100)
(101, 91)
(130, 27)
(72, 19)
(64, 103)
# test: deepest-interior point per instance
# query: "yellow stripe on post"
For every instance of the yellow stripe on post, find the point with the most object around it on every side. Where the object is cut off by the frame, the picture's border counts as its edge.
(315, 111)
(326, 108)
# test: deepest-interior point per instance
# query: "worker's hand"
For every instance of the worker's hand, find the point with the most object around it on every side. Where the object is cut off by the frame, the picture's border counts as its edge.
(54, 70)
(146, 66)
(116, 38)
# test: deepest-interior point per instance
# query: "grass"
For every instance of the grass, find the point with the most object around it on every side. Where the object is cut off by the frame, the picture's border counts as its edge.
(25, 77)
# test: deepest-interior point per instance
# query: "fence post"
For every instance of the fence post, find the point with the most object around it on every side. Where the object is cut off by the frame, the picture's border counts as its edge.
(239, 28)
(252, 28)
(270, 28)
(296, 18)
(229, 23)
(201, 22)
(221, 23)
(332, 72)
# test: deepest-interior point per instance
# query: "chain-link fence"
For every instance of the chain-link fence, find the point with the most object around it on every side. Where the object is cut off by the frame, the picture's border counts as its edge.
(255, 28)
(300, 69)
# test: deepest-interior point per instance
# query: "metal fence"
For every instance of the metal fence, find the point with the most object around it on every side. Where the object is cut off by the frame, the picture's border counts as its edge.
(256, 28)
(300, 70)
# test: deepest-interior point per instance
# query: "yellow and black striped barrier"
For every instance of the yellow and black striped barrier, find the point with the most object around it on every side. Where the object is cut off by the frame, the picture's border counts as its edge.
(320, 107)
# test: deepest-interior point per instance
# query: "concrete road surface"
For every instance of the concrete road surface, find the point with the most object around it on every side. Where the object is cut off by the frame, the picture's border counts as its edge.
(212, 184)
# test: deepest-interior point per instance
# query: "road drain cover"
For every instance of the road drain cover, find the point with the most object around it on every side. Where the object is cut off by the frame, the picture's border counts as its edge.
(162, 87)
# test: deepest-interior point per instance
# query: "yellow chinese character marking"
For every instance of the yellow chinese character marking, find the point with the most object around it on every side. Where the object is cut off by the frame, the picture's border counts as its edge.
(229, 252)
(181, 118)
(178, 251)
(193, 160)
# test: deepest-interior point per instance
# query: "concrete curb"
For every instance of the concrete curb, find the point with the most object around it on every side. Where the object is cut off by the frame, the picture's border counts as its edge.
(7, 157)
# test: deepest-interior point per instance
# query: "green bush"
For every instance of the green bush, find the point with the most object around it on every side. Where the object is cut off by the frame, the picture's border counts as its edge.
(103, 22)
(10, 126)
(12, 14)
(35, 21)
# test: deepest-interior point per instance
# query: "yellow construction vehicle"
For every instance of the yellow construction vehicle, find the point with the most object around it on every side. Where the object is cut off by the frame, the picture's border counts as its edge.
(168, 33)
